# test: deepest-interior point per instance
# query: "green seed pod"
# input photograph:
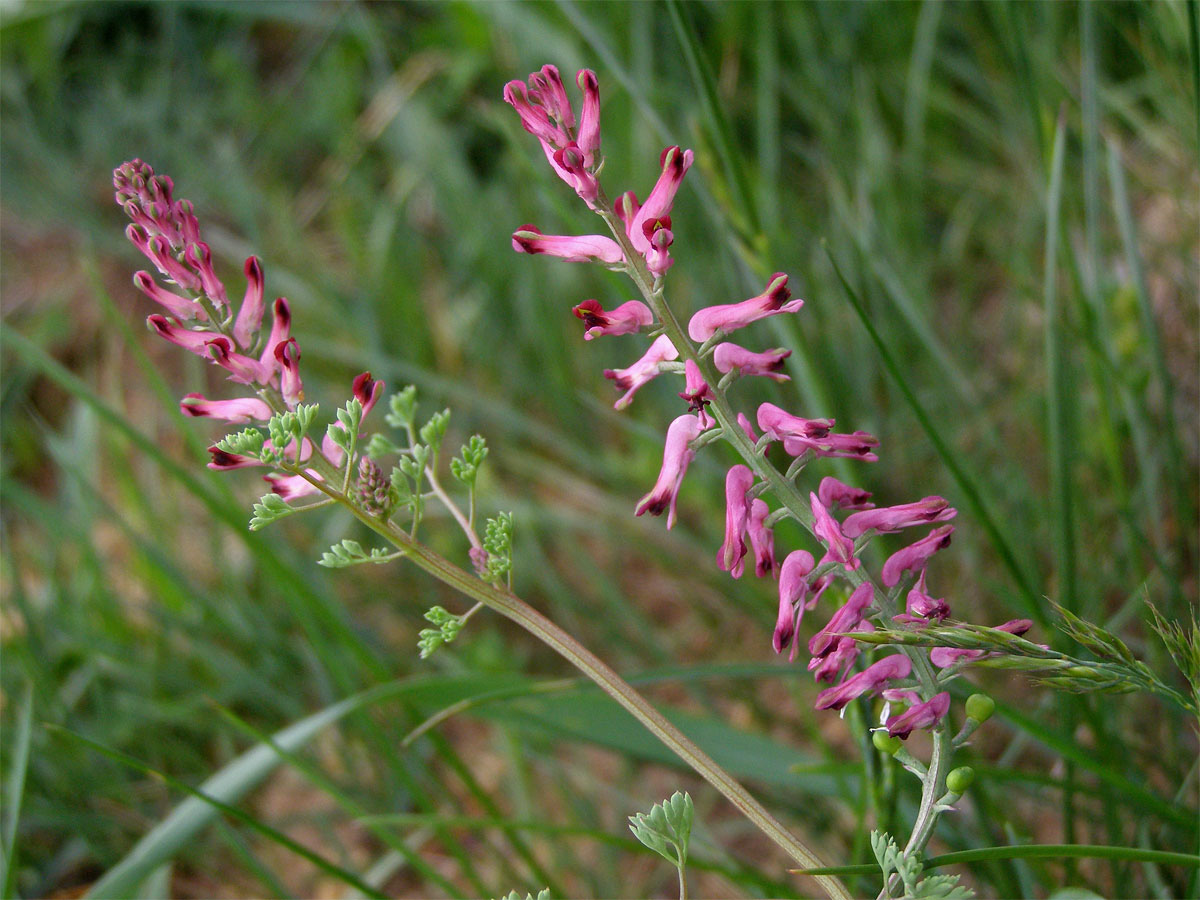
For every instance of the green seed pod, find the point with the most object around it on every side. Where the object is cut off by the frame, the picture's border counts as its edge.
(980, 707)
(885, 743)
(960, 779)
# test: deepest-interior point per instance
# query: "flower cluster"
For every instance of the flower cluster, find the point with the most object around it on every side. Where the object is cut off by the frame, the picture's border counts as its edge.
(199, 317)
(639, 245)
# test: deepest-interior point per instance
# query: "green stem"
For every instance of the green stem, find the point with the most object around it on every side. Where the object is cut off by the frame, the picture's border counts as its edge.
(516, 610)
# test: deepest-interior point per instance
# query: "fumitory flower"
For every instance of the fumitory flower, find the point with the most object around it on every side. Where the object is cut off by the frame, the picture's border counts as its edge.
(825, 527)
(921, 607)
(625, 319)
(731, 316)
(738, 480)
(893, 518)
(834, 493)
(762, 539)
(793, 586)
(546, 113)
(845, 620)
(676, 457)
(870, 680)
(914, 557)
(644, 370)
(920, 715)
(729, 357)
(572, 248)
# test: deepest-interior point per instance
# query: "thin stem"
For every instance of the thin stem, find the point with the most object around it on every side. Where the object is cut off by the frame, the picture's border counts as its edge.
(513, 608)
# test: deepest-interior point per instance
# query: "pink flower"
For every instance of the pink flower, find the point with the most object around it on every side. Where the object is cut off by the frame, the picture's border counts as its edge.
(179, 307)
(367, 391)
(845, 620)
(625, 319)
(287, 354)
(250, 315)
(833, 666)
(921, 607)
(642, 371)
(589, 115)
(834, 493)
(868, 681)
(914, 557)
(948, 656)
(281, 330)
(731, 316)
(793, 585)
(745, 425)
(762, 539)
(546, 113)
(826, 528)
(292, 487)
(727, 357)
(738, 480)
(655, 213)
(236, 412)
(658, 260)
(856, 445)
(581, 248)
(676, 457)
(923, 715)
(695, 391)
(572, 167)
(199, 258)
(223, 461)
(195, 341)
(779, 424)
(242, 369)
(893, 518)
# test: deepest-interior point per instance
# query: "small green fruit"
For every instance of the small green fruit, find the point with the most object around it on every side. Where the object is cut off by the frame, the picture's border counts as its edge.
(980, 707)
(885, 743)
(960, 779)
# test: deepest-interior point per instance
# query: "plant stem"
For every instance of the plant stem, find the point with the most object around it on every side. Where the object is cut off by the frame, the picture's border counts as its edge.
(517, 610)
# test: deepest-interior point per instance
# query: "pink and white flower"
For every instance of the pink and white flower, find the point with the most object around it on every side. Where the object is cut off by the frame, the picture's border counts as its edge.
(729, 317)
(677, 454)
(625, 319)
(643, 371)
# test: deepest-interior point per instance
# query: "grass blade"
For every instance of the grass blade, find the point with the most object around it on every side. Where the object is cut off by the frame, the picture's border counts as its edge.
(1030, 601)
(214, 796)
(14, 789)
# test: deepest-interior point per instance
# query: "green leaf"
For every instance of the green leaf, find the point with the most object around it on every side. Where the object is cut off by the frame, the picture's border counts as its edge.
(667, 828)
(351, 553)
(434, 430)
(244, 443)
(403, 406)
(270, 508)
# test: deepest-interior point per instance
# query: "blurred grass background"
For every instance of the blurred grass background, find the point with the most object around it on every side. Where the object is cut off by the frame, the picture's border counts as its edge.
(362, 151)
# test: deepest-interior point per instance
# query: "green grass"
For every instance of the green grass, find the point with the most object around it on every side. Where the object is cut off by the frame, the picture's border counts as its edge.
(1040, 311)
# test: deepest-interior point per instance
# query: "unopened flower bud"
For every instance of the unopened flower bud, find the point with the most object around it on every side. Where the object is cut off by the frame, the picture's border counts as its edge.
(980, 707)
(959, 780)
